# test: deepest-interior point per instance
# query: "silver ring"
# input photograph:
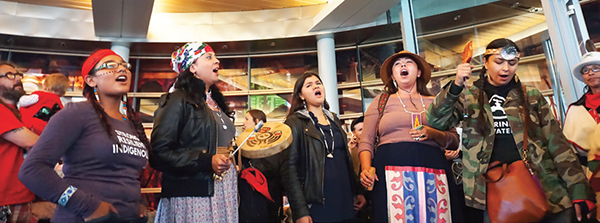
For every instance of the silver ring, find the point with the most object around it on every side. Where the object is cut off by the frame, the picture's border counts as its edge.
(416, 139)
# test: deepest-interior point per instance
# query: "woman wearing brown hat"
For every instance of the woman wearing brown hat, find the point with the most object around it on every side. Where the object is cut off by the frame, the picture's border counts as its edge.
(409, 181)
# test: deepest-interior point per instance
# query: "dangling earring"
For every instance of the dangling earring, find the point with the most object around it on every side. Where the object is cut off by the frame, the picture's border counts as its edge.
(304, 103)
(123, 108)
(96, 95)
(395, 84)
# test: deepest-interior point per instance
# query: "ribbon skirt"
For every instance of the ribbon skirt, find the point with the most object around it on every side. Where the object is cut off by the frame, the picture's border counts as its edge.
(412, 186)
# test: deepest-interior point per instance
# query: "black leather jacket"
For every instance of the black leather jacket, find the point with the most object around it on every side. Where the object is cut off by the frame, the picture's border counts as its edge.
(184, 139)
(304, 170)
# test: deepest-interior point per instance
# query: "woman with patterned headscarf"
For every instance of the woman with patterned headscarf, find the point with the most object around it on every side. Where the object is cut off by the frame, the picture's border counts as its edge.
(192, 130)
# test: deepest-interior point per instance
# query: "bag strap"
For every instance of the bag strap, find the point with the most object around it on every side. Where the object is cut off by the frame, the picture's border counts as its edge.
(525, 134)
(502, 173)
(381, 107)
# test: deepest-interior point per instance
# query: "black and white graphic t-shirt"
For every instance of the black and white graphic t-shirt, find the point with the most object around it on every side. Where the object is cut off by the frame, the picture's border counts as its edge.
(501, 125)
(505, 148)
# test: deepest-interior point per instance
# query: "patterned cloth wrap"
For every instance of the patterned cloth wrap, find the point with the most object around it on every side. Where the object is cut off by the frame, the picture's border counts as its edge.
(550, 154)
(417, 194)
(185, 56)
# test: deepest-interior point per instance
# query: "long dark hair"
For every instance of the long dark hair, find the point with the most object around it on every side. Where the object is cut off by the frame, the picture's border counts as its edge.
(195, 89)
(297, 103)
(132, 116)
(495, 44)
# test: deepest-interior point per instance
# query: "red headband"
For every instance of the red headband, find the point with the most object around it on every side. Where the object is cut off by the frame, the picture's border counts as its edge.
(93, 59)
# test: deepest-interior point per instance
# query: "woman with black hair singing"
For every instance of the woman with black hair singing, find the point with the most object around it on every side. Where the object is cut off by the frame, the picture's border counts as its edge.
(190, 143)
(103, 146)
(318, 176)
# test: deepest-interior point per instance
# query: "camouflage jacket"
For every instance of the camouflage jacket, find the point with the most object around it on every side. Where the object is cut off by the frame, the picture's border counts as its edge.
(549, 153)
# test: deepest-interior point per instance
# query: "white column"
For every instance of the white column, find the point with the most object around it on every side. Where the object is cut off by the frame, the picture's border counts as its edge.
(409, 31)
(121, 48)
(567, 33)
(327, 70)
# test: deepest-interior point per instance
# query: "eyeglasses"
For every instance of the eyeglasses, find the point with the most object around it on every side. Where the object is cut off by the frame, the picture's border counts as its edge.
(112, 65)
(11, 75)
(594, 69)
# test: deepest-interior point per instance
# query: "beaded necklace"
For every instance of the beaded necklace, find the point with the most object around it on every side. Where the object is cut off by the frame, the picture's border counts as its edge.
(404, 106)
(329, 153)
(415, 117)
(213, 106)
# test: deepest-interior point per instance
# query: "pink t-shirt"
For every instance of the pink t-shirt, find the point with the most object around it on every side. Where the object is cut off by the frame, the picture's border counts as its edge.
(396, 123)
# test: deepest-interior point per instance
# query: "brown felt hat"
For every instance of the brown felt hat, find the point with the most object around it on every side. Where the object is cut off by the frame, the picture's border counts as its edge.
(386, 68)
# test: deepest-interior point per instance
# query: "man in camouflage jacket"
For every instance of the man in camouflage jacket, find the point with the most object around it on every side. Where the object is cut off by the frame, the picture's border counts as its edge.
(550, 155)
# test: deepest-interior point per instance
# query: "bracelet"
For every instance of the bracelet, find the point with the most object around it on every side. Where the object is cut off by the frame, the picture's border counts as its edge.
(64, 198)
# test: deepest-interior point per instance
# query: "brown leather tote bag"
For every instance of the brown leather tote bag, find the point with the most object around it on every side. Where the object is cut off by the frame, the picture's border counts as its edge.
(513, 195)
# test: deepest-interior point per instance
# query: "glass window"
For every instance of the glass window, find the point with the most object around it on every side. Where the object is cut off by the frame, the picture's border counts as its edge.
(154, 75)
(443, 35)
(346, 123)
(591, 14)
(350, 101)
(239, 105)
(369, 93)
(372, 57)
(275, 106)
(146, 107)
(444, 52)
(436, 83)
(535, 73)
(233, 74)
(3, 55)
(347, 66)
(531, 45)
(280, 72)
(36, 66)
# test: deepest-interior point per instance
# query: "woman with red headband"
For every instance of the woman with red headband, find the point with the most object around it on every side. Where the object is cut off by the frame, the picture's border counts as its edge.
(103, 146)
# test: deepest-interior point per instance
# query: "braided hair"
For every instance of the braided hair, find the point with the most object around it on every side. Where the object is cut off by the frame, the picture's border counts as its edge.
(132, 116)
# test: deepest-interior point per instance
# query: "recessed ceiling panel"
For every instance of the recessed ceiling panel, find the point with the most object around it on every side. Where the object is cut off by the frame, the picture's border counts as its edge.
(183, 6)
